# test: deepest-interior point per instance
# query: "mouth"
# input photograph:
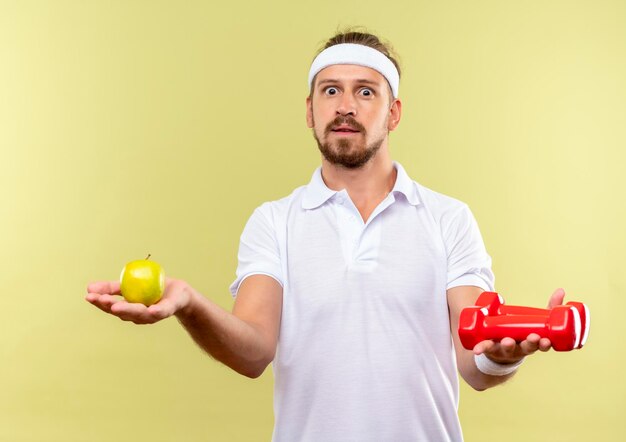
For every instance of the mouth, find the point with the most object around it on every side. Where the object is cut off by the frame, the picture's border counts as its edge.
(344, 130)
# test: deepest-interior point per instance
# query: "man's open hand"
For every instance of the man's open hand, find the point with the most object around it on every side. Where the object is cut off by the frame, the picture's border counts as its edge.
(107, 297)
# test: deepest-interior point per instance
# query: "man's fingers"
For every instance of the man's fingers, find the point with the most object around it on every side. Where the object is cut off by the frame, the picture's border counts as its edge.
(109, 300)
(545, 344)
(104, 287)
(507, 346)
(95, 300)
(483, 346)
(530, 344)
(128, 310)
(556, 298)
(103, 302)
(140, 314)
(131, 311)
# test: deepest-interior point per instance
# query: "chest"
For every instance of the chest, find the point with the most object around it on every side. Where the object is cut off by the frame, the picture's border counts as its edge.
(333, 259)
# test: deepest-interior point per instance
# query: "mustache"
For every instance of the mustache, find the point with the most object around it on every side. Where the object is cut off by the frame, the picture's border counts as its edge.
(344, 120)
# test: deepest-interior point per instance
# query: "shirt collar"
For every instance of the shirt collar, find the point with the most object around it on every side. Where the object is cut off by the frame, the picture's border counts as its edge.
(405, 185)
(317, 193)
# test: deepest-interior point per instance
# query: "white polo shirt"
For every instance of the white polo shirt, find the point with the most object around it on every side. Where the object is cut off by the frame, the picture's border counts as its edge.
(365, 351)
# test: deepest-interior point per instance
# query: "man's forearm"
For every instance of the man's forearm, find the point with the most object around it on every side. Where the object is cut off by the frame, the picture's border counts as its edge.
(225, 337)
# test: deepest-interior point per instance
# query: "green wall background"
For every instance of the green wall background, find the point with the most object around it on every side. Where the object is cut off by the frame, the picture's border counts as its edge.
(136, 127)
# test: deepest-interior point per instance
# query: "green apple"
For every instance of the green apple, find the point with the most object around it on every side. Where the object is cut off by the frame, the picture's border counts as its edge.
(142, 281)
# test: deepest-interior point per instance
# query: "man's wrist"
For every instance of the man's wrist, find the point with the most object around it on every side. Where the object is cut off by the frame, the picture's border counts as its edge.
(489, 367)
(186, 311)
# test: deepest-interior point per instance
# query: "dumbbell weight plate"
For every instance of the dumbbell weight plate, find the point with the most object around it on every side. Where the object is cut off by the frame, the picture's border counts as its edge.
(564, 329)
(585, 320)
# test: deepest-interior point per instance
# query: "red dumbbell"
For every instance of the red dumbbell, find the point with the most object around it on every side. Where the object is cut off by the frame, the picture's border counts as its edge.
(496, 306)
(562, 327)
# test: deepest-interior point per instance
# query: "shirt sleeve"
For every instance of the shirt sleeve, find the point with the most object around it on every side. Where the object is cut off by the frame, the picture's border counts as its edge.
(468, 261)
(258, 249)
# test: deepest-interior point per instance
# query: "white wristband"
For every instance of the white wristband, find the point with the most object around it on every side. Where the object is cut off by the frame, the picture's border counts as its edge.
(487, 366)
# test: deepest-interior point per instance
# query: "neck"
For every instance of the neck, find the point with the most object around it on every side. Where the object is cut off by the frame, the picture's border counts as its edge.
(368, 185)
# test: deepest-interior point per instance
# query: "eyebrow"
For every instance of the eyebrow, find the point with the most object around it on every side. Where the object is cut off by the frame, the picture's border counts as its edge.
(360, 81)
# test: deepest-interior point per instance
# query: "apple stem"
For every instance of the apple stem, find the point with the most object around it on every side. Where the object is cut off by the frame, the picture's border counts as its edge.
(148, 256)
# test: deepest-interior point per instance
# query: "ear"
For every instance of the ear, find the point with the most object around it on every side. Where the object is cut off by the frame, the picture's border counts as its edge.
(395, 113)
(309, 112)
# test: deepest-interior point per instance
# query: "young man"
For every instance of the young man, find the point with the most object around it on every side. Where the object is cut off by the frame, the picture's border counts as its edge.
(353, 284)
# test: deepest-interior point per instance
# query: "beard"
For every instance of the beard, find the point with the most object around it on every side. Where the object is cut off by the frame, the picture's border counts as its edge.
(347, 152)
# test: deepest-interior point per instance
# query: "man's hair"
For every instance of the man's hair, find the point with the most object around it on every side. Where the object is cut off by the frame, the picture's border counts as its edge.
(361, 37)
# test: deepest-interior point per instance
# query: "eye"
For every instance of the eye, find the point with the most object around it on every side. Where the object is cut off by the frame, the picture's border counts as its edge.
(331, 90)
(366, 92)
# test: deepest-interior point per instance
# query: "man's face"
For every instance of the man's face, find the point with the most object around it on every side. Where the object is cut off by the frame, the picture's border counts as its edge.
(351, 112)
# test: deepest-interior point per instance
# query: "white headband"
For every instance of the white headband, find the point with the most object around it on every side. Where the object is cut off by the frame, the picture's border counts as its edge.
(349, 53)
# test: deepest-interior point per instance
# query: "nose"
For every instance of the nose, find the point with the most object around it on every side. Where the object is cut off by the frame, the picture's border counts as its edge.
(346, 105)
